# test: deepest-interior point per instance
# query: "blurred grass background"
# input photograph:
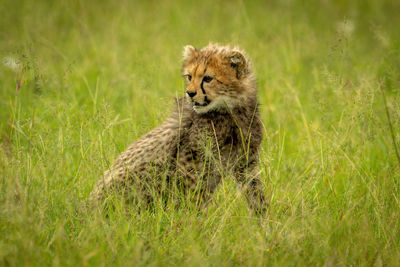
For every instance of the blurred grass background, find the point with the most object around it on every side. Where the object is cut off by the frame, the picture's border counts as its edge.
(81, 80)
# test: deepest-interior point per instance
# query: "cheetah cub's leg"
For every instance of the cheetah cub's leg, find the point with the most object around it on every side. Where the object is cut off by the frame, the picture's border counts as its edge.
(253, 189)
(198, 174)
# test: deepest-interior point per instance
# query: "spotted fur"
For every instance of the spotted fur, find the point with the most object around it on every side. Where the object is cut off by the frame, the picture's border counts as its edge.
(213, 132)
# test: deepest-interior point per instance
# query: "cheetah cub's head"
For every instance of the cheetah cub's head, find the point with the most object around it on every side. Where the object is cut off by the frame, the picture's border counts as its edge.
(218, 78)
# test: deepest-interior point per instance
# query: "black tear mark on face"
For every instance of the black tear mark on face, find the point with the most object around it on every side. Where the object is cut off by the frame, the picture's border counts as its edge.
(202, 87)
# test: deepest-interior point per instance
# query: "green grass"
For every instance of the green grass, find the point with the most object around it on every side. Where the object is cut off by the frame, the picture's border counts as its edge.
(96, 75)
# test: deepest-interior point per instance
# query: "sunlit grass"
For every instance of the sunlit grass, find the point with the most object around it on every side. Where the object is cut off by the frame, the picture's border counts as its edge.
(81, 80)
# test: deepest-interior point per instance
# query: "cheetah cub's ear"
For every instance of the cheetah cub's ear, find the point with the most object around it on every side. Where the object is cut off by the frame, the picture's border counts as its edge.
(188, 53)
(239, 63)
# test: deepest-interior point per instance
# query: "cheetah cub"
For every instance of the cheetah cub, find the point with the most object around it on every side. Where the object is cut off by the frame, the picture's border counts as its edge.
(214, 131)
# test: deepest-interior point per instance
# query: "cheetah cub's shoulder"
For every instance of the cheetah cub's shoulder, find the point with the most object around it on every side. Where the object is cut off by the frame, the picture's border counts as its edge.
(213, 132)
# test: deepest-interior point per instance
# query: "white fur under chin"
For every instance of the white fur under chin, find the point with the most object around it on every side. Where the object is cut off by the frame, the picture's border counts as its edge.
(222, 103)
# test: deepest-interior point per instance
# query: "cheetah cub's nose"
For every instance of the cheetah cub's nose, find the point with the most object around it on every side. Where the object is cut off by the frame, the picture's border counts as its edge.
(191, 94)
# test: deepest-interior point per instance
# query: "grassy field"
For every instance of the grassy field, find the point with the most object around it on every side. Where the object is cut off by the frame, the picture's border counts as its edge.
(81, 80)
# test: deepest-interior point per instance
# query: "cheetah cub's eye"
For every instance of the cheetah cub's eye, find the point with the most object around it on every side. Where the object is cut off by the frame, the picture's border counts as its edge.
(188, 77)
(207, 79)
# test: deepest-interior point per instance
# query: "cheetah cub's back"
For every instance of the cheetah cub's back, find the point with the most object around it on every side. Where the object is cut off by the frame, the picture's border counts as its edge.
(213, 131)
